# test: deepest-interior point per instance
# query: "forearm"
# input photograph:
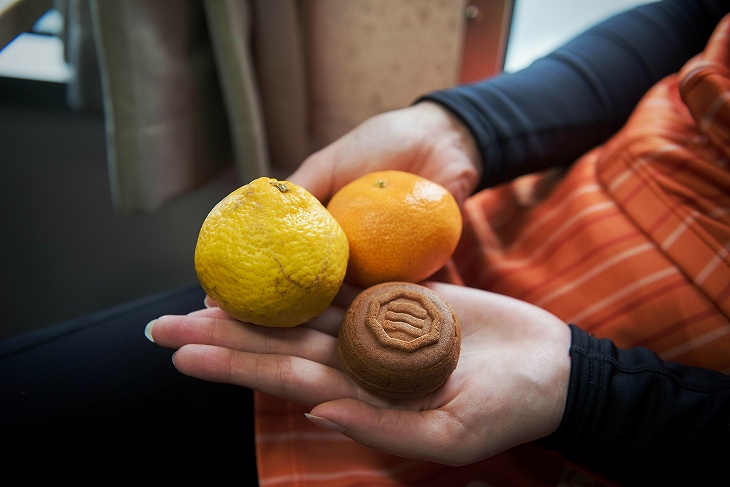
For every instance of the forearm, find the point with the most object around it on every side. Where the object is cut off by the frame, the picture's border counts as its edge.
(633, 416)
(568, 102)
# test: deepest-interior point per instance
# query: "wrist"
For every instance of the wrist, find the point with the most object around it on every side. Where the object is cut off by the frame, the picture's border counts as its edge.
(562, 363)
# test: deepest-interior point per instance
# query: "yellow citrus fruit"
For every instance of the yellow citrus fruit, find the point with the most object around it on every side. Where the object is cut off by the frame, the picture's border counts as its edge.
(270, 253)
(401, 227)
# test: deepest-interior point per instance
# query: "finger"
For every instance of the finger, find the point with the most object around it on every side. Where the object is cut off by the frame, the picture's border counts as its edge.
(209, 302)
(432, 435)
(314, 174)
(177, 331)
(329, 321)
(213, 312)
(292, 378)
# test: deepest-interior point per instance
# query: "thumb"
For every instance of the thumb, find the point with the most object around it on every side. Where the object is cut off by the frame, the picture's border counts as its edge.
(315, 175)
(422, 435)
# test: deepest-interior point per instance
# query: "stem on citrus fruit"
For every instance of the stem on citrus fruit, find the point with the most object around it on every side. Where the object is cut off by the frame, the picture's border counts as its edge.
(281, 185)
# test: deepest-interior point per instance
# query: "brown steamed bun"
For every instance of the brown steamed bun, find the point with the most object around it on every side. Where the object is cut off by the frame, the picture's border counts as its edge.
(399, 340)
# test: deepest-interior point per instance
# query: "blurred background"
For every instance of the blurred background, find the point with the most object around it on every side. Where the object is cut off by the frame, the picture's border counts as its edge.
(68, 244)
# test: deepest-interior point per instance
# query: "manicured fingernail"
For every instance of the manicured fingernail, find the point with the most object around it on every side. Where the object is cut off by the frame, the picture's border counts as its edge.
(148, 331)
(324, 423)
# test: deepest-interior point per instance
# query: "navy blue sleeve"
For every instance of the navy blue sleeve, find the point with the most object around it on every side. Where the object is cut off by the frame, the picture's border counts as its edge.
(640, 420)
(571, 100)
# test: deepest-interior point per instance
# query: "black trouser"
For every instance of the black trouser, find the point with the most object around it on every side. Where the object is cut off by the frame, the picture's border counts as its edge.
(93, 396)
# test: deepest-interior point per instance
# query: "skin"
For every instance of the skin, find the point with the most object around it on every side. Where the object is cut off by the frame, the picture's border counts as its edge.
(512, 378)
(508, 388)
(423, 139)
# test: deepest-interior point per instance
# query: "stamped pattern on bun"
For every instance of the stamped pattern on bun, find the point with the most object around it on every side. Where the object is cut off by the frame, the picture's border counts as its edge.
(399, 340)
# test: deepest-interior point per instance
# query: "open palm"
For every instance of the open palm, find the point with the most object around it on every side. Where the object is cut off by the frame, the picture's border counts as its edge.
(508, 388)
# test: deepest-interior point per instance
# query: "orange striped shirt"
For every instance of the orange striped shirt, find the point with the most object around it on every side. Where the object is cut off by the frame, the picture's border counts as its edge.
(631, 243)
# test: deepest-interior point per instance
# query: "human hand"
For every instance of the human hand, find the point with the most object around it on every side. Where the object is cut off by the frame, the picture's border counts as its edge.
(509, 387)
(424, 139)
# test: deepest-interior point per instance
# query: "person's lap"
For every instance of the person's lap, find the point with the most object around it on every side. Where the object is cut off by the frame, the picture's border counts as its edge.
(93, 393)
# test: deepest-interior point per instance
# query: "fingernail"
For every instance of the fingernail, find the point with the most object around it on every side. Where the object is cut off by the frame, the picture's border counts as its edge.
(173, 357)
(148, 331)
(324, 423)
